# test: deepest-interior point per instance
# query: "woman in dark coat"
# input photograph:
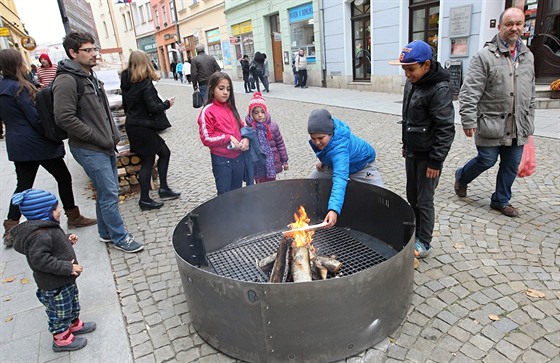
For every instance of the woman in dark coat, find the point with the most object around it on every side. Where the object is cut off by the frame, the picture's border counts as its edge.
(257, 68)
(26, 144)
(145, 116)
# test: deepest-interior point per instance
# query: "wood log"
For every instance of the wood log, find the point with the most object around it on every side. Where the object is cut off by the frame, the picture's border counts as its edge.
(266, 263)
(125, 160)
(301, 269)
(279, 268)
(318, 272)
(331, 264)
(132, 169)
(133, 180)
(135, 160)
(121, 172)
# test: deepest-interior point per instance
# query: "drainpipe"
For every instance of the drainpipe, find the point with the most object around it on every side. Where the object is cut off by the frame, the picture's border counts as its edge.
(323, 51)
(178, 40)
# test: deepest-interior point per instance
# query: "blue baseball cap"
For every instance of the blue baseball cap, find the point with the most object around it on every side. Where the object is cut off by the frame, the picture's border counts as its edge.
(417, 51)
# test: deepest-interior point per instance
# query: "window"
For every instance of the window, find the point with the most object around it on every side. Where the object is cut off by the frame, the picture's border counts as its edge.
(424, 22)
(164, 15)
(361, 41)
(181, 4)
(124, 21)
(106, 30)
(141, 14)
(172, 11)
(148, 12)
(302, 30)
(158, 25)
(129, 20)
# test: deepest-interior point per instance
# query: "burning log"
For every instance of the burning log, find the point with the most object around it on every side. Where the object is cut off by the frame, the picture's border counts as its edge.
(318, 272)
(301, 268)
(279, 269)
(267, 263)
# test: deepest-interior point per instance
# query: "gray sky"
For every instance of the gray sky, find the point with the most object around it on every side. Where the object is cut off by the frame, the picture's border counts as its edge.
(42, 20)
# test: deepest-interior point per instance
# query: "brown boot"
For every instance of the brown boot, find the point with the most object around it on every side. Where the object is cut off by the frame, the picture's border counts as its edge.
(76, 220)
(9, 224)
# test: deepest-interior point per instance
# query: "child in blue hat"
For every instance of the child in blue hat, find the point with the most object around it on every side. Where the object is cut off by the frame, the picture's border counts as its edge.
(51, 256)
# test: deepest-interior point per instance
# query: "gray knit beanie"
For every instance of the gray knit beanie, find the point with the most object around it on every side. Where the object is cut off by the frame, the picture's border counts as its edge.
(320, 122)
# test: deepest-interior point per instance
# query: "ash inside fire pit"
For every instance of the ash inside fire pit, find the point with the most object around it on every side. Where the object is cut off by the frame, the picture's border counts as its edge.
(357, 251)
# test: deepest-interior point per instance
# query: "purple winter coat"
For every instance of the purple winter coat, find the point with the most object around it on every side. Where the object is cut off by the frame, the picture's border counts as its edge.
(276, 142)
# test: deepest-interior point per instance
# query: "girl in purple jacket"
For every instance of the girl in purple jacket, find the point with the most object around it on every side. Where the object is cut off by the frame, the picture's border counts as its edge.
(270, 140)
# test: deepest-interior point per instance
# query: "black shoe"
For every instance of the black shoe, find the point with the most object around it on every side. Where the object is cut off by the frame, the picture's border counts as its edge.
(149, 205)
(168, 194)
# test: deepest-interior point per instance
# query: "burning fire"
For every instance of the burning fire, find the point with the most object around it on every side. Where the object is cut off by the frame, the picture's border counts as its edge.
(302, 238)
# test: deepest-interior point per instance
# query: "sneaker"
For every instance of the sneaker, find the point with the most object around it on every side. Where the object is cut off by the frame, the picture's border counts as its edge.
(129, 245)
(105, 239)
(507, 210)
(460, 190)
(420, 250)
(81, 327)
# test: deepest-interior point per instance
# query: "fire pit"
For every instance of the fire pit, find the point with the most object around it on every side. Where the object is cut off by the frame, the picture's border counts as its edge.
(238, 312)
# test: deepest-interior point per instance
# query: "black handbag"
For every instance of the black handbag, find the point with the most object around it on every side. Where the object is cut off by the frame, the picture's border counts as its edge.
(197, 100)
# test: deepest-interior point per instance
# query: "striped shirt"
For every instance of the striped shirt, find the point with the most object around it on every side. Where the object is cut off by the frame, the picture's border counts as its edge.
(46, 75)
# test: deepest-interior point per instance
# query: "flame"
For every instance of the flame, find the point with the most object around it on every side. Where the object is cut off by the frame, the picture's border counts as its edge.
(302, 238)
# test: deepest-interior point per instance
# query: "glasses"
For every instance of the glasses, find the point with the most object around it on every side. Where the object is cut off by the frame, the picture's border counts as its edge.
(89, 50)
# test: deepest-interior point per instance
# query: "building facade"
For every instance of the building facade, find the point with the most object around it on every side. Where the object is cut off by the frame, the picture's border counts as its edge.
(145, 29)
(12, 31)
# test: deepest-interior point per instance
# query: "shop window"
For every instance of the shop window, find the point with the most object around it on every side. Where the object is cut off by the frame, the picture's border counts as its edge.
(302, 30)
(424, 22)
(361, 40)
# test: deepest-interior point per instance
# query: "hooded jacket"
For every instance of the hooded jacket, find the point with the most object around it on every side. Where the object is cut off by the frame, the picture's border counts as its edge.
(48, 252)
(25, 140)
(428, 127)
(142, 105)
(498, 95)
(345, 154)
(216, 123)
(88, 123)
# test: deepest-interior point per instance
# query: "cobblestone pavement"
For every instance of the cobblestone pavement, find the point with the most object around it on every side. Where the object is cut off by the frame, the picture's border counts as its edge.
(482, 263)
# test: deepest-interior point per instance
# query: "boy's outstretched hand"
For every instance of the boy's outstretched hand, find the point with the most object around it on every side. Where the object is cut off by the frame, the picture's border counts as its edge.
(73, 238)
(331, 219)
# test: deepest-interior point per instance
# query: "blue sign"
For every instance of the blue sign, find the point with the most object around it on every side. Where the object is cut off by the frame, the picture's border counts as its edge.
(226, 51)
(301, 13)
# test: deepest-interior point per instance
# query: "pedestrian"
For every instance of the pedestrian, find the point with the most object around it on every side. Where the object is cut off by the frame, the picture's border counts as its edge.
(155, 65)
(244, 62)
(47, 71)
(173, 69)
(341, 155)
(92, 134)
(301, 68)
(34, 77)
(497, 107)
(220, 130)
(51, 256)
(187, 70)
(256, 67)
(202, 67)
(26, 145)
(428, 130)
(145, 117)
(269, 138)
(179, 71)
(266, 73)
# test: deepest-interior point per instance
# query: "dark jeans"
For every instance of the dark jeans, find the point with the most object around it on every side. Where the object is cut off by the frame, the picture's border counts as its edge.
(145, 174)
(26, 171)
(203, 88)
(420, 194)
(180, 76)
(510, 157)
(228, 173)
(302, 75)
(257, 76)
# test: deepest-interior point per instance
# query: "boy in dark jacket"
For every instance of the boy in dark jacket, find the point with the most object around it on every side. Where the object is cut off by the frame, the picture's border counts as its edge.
(427, 133)
(51, 256)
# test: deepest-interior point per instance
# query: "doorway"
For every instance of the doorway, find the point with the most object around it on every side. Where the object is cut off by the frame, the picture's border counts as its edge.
(361, 40)
(276, 41)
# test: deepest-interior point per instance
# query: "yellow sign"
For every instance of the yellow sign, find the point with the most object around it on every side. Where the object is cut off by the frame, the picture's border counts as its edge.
(4, 32)
(242, 28)
(28, 43)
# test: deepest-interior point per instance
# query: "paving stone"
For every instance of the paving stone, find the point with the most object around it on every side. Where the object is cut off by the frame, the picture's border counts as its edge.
(520, 340)
(472, 351)
(142, 350)
(492, 333)
(481, 342)
(531, 356)
(150, 358)
(396, 352)
(533, 330)
(505, 325)
(164, 354)
(509, 350)
(544, 347)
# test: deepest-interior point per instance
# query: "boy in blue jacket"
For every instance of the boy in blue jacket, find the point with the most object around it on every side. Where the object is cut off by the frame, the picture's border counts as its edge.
(342, 155)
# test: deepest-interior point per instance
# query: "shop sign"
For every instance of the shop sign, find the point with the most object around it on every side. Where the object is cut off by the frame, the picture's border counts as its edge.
(28, 43)
(301, 13)
(213, 35)
(242, 28)
(4, 32)
(460, 21)
(235, 40)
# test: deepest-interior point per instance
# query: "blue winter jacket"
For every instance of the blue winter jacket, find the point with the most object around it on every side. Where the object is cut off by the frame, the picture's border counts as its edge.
(345, 154)
(25, 140)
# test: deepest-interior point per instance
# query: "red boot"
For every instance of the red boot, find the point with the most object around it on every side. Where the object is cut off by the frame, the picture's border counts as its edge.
(67, 342)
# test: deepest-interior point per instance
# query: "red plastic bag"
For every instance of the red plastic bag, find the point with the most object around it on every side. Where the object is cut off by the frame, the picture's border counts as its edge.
(528, 164)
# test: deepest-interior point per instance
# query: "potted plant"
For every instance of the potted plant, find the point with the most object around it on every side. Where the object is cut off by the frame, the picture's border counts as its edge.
(555, 89)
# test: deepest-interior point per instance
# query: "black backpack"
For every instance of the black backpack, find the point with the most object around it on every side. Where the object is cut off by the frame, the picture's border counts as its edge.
(45, 109)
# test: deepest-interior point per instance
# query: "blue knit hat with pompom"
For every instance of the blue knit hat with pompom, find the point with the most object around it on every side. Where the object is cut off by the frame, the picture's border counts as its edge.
(36, 204)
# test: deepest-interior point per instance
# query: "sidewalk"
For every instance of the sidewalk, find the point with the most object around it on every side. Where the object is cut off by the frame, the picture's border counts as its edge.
(139, 305)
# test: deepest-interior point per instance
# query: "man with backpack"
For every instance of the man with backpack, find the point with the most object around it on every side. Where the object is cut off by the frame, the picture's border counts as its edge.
(92, 134)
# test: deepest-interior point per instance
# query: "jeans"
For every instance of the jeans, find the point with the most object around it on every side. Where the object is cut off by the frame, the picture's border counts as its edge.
(228, 173)
(420, 195)
(26, 172)
(510, 157)
(302, 73)
(102, 170)
(203, 88)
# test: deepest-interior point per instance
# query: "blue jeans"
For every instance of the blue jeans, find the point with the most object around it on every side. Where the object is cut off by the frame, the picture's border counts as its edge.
(102, 170)
(203, 88)
(228, 173)
(510, 157)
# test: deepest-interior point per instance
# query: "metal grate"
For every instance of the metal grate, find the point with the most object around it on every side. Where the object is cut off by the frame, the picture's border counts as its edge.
(238, 259)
